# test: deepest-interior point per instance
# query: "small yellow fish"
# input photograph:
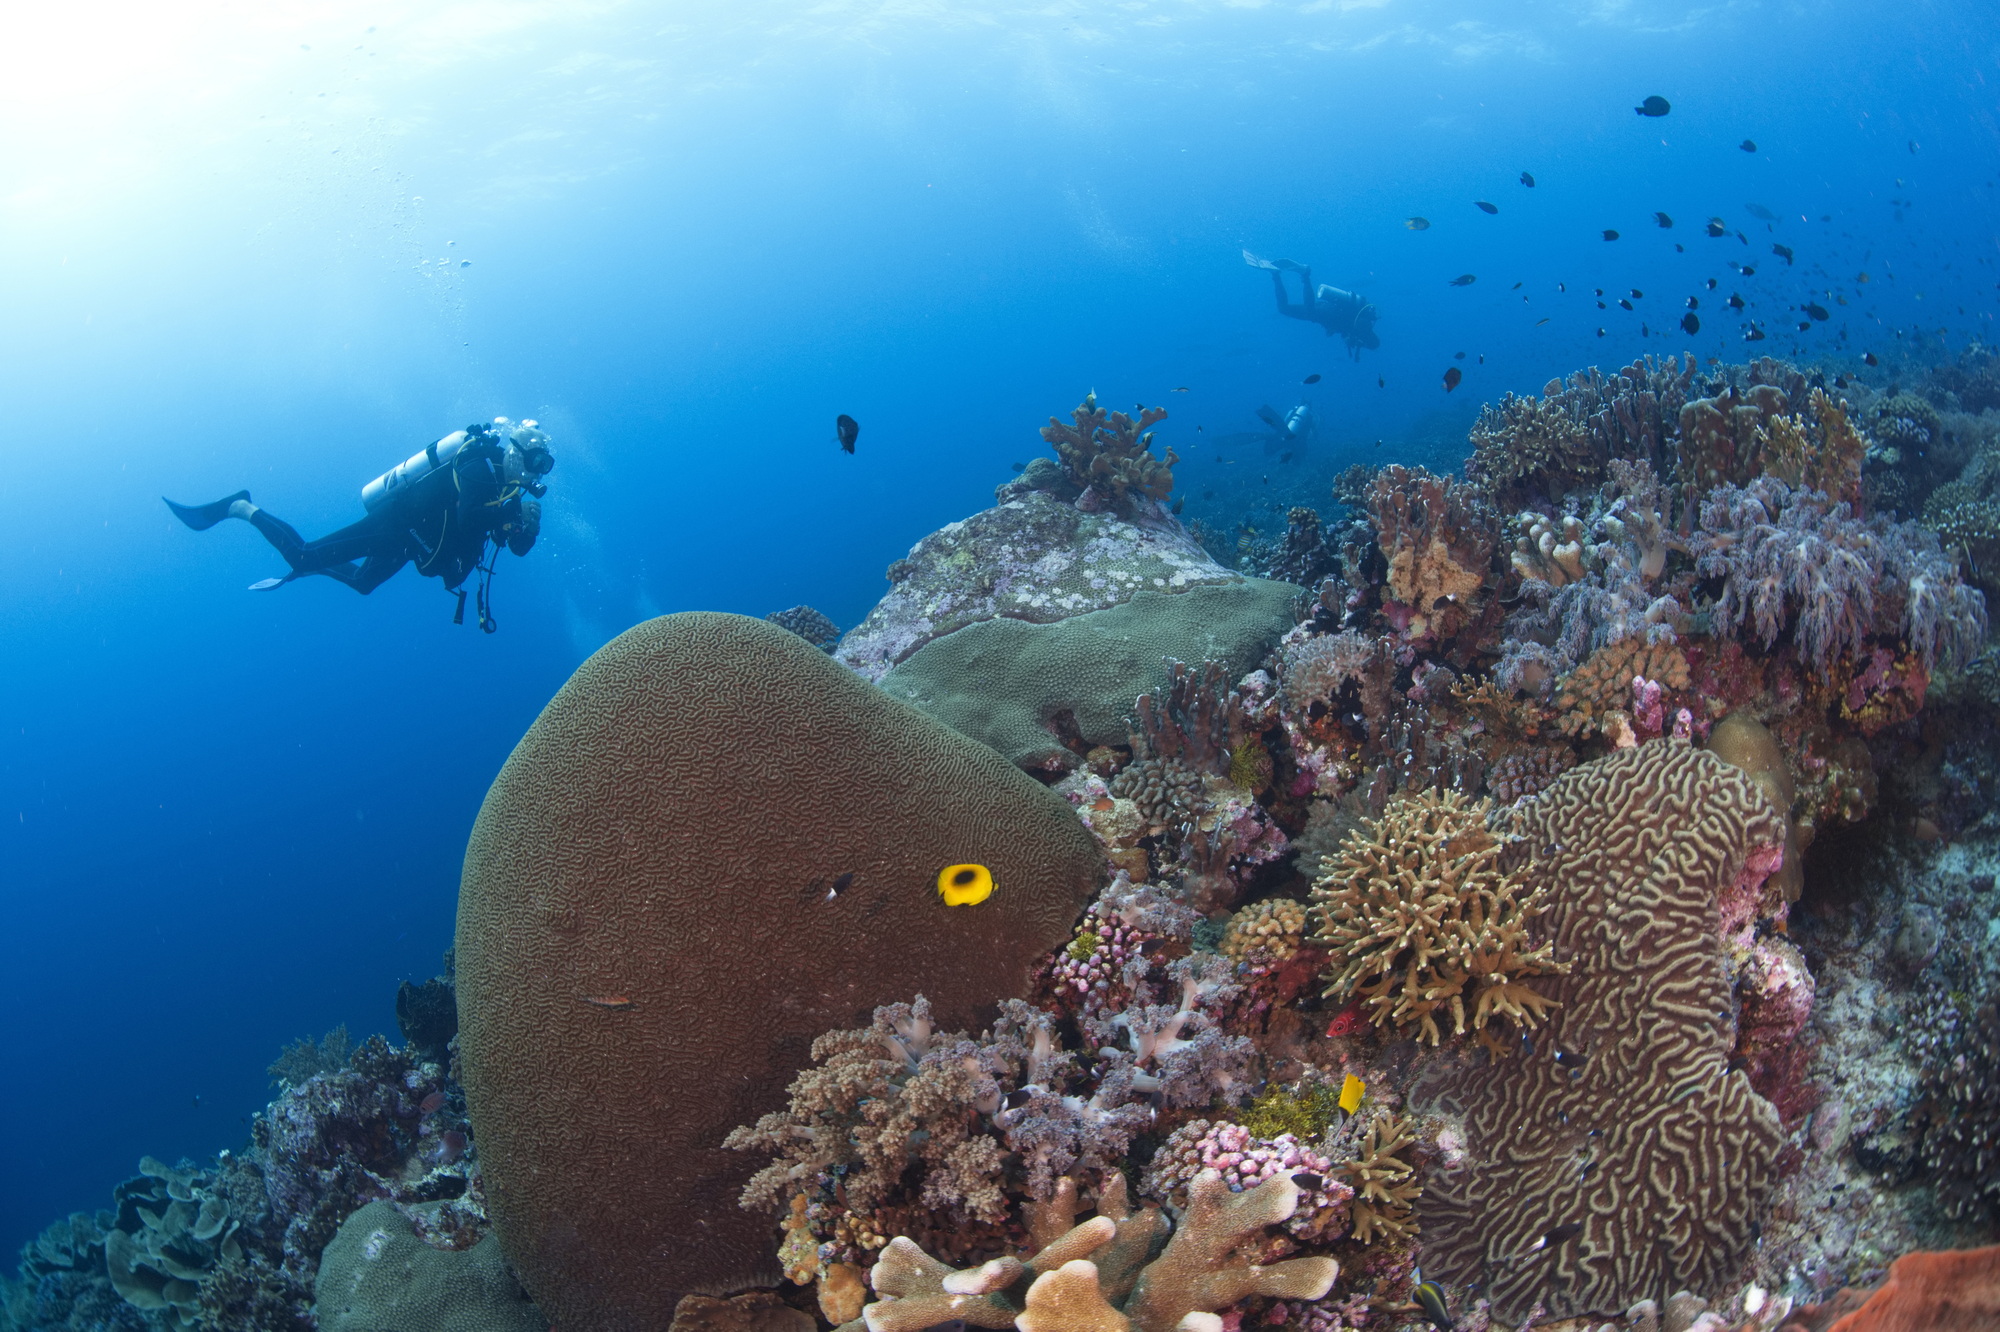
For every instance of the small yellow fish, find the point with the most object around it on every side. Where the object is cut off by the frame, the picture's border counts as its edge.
(964, 885)
(1350, 1093)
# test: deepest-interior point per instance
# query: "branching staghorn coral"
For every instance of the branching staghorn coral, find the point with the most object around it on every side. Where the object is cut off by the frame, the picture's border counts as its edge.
(1385, 1185)
(1791, 559)
(1096, 1277)
(1420, 919)
(1109, 455)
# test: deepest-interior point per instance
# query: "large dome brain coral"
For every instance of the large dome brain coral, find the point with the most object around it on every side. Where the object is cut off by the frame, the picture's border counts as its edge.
(648, 943)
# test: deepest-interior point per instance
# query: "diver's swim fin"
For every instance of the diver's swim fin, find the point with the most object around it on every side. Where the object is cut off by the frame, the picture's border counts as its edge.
(266, 584)
(201, 517)
(1255, 262)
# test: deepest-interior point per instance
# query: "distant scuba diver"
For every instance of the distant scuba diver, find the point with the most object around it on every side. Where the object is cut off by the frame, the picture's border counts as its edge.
(439, 510)
(1335, 311)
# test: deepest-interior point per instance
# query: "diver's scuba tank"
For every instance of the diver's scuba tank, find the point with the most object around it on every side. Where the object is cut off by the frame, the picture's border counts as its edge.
(1298, 423)
(389, 486)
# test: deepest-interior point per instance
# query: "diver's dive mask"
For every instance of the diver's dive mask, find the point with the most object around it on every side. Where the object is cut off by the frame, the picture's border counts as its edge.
(528, 459)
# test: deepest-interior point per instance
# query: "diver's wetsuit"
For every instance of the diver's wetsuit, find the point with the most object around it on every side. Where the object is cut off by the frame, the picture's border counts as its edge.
(442, 523)
(1335, 311)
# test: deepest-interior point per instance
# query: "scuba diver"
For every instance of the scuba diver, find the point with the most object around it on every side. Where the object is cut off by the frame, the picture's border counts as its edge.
(439, 510)
(1334, 310)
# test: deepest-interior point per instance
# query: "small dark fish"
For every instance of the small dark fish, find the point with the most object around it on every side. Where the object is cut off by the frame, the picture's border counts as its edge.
(617, 1003)
(1747, 271)
(1840, 381)
(1311, 1183)
(1913, 147)
(1527, 180)
(848, 429)
(1485, 207)
(1679, 248)
(1417, 223)
(1734, 302)
(1430, 1298)
(1663, 220)
(1638, 295)
(1179, 504)
(1645, 332)
(1600, 332)
(1690, 323)
(1182, 389)
(1543, 320)
(1458, 356)
(1569, 1230)
(1716, 227)
(1561, 287)
(1655, 105)
(1282, 459)
(840, 885)
(1564, 1059)
(1381, 382)
(1624, 305)
(1694, 302)
(1517, 286)
(1019, 1097)
(1804, 324)
(1463, 280)
(1711, 284)
(1868, 358)
(1783, 252)
(1452, 376)
(1816, 310)
(1312, 379)
(1761, 213)
(1019, 468)
(1609, 234)
(1748, 145)
(1754, 335)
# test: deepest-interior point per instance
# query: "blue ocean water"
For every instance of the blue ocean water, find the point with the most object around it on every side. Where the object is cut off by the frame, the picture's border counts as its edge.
(283, 247)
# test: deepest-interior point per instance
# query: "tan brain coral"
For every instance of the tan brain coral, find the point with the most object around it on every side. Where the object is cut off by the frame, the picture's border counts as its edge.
(647, 943)
(1623, 1134)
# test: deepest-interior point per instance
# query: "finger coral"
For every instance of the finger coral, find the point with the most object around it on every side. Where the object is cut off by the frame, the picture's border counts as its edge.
(1620, 1159)
(1423, 924)
(1097, 1277)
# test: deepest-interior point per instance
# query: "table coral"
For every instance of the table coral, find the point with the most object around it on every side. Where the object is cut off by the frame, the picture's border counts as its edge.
(1422, 923)
(1619, 1159)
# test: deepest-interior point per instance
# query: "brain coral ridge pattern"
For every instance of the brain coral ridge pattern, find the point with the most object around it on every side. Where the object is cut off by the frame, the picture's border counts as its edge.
(647, 943)
(1622, 1129)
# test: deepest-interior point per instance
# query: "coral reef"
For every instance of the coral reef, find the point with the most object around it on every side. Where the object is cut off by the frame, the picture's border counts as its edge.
(1422, 923)
(628, 899)
(1620, 1159)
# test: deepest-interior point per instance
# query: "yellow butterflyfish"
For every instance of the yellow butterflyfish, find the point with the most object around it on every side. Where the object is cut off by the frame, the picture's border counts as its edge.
(964, 885)
(1350, 1093)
